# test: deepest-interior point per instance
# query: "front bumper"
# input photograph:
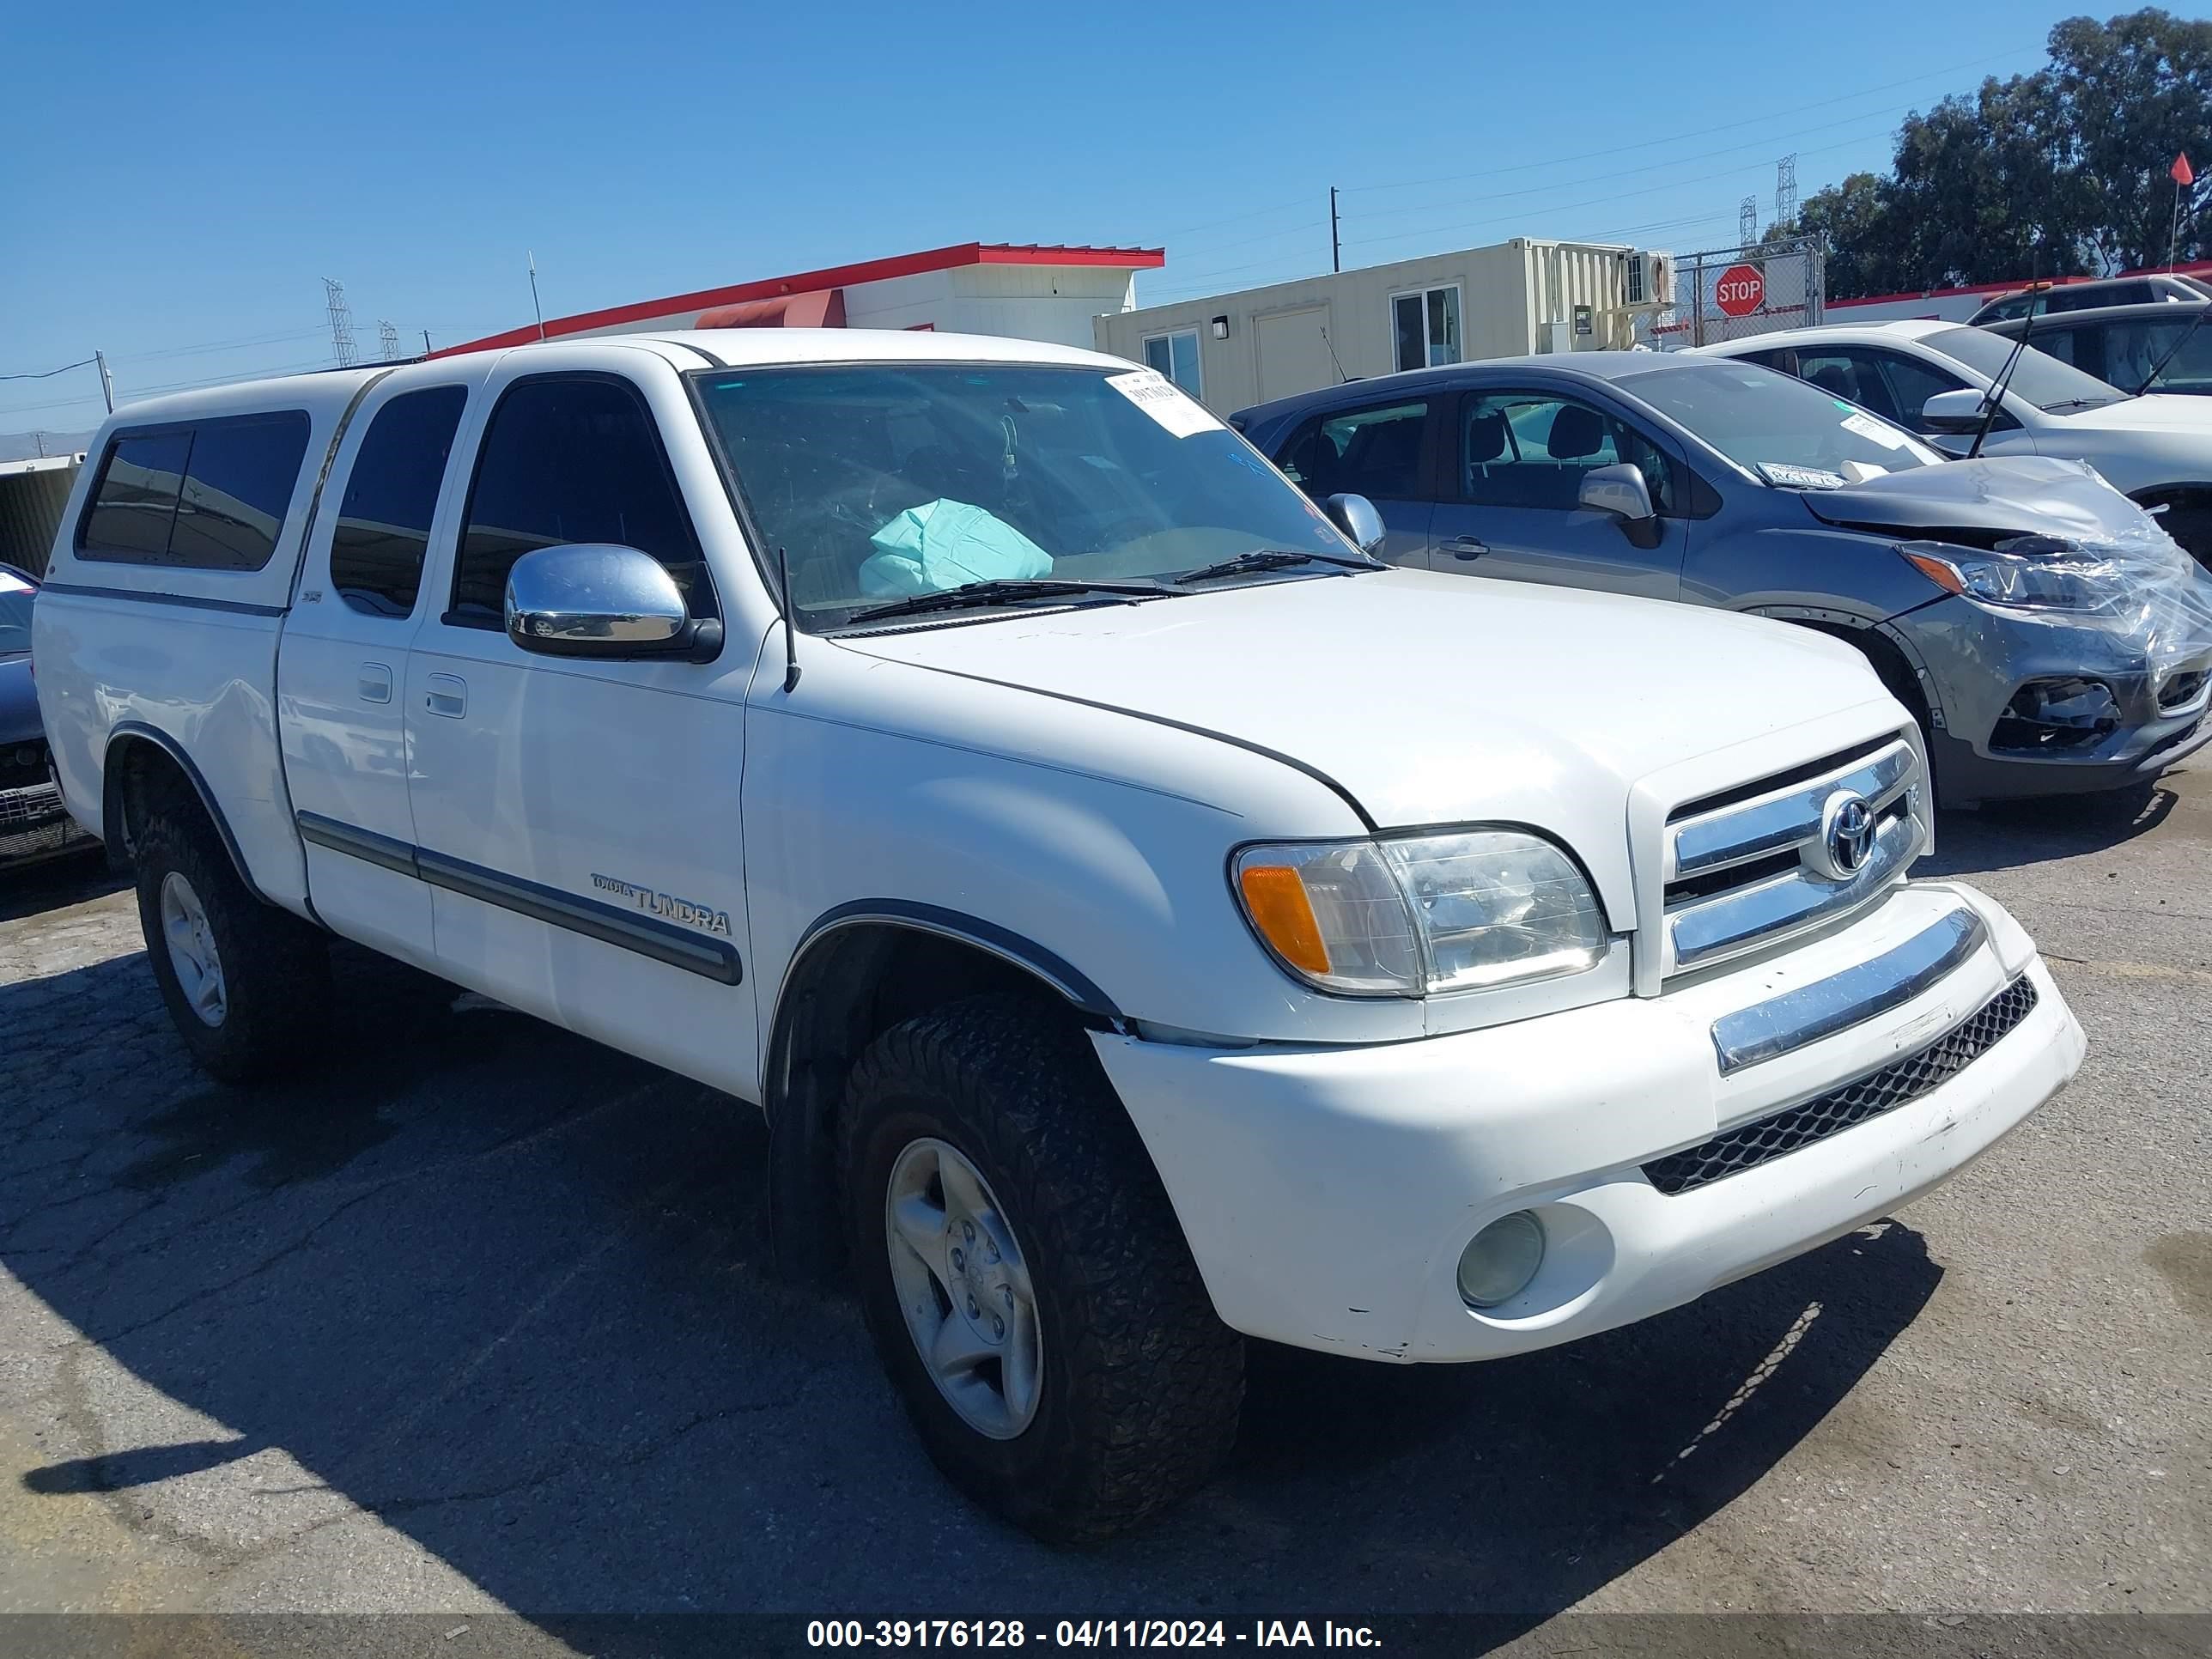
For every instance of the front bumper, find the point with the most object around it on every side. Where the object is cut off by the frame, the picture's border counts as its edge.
(1978, 661)
(1327, 1193)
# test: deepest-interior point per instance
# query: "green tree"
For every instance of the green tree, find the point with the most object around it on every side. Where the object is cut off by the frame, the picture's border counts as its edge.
(2130, 95)
(2060, 173)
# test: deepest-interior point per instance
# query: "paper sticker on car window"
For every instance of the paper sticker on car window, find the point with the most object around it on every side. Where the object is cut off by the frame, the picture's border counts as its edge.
(1152, 391)
(1874, 431)
(13, 584)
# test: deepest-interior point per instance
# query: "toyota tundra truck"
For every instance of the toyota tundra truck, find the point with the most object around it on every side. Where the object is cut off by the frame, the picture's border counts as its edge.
(1145, 922)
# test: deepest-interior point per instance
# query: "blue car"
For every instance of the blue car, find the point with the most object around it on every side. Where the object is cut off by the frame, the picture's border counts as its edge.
(32, 824)
(2048, 636)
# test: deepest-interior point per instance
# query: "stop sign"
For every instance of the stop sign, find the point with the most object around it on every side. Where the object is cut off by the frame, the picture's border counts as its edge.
(1741, 290)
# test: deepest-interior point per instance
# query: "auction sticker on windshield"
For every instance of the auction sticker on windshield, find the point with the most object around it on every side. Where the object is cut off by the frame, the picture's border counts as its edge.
(1165, 403)
(1874, 431)
(11, 583)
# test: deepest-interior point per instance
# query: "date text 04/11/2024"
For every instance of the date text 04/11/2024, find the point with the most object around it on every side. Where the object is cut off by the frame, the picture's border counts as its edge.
(1084, 1633)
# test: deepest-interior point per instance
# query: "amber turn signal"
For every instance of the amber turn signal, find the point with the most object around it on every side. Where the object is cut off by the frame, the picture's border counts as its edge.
(1275, 898)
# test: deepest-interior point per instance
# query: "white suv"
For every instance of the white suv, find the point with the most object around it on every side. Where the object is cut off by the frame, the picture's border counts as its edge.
(1144, 922)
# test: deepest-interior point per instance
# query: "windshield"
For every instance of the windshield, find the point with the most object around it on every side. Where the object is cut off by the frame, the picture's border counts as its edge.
(884, 481)
(15, 596)
(1776, 426)
(2053, 387)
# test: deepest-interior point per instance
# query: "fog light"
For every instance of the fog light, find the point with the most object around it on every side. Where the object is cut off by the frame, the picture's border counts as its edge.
(1499, 1261)
(2049, 715)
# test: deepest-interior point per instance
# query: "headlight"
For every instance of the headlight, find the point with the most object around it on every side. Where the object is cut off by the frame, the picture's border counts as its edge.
(2028, 573)
(1406, 915)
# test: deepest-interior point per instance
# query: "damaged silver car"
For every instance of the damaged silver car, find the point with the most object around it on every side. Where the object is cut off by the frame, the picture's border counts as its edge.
(2048, 633)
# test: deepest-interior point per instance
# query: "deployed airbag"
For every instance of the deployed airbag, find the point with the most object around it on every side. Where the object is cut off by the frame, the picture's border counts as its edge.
(942, 544)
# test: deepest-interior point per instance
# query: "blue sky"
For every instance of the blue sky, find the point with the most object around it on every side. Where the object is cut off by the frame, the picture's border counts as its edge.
(183, 176)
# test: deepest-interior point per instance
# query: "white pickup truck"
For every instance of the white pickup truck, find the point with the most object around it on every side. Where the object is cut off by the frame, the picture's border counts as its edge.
(1144, 922)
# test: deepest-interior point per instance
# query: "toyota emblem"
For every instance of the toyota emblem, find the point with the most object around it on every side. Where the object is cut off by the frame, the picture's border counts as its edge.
(1848, 836)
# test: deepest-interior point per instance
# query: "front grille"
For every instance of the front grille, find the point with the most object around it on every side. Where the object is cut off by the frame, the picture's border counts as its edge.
(25, 809)
(1752, 864)
(1750, 1145)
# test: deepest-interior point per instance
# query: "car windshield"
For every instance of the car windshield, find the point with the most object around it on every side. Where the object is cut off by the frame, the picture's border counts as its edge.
(15, 596)
(886, 481)
(1777, 427)
(2054, 387)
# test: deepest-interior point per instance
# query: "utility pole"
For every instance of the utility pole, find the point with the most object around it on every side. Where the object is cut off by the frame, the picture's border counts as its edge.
(1785, 192)
(1746, 220)
(341, 314)
(387, 340)
(426, 343)
(1335, 248)
(534, 306)
(107, 380)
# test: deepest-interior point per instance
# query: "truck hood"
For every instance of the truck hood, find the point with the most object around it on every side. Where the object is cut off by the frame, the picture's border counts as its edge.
(1434, 698)
(19, 701)
(2013, 494)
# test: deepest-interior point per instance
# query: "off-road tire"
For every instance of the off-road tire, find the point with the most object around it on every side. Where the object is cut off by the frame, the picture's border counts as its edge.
(1142, 1384)
(275, 967)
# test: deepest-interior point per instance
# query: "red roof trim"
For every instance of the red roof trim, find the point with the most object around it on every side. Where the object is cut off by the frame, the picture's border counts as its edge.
(868, 271)
(2196, 268)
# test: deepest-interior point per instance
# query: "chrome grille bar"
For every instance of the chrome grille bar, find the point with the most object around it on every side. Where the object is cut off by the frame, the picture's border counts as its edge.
(1735, 834)
(1715, 927)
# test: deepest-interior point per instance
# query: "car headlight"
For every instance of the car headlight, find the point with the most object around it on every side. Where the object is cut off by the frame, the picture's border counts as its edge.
(1406, 915)
(2028, 573)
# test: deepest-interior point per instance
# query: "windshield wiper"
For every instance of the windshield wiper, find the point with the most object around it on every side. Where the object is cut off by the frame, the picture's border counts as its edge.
(1273, 558)
(1005, 591)
(2083, 403)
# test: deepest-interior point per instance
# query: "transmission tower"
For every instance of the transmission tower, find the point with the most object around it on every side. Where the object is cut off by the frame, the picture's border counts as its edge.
(341, 346)
(388, 339)
(1746, 220)
(1785, 192)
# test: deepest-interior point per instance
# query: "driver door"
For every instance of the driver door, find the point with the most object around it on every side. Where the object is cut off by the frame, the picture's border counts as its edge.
(1519, 459)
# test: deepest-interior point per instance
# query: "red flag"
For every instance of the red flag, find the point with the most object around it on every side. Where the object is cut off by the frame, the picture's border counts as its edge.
(2181, 171)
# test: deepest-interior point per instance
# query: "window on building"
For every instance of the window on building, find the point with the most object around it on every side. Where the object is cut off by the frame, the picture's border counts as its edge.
(565, 459)
(1530, 449)
(1376, 452)
(1176, 356)
(210, 496)
(1426, 327)
(392, 495)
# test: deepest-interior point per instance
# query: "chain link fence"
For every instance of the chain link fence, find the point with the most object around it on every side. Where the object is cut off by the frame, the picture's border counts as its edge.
(1727, 294)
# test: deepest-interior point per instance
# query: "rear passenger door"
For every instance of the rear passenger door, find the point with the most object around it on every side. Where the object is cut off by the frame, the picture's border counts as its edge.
(341, 676)
(1382, 450)
(1518, 463)
(578, 817)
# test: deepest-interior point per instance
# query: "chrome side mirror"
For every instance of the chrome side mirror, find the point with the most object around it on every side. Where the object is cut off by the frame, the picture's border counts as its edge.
(1355, 515)
(1958, 412)
(1619, 490)
(595, 599)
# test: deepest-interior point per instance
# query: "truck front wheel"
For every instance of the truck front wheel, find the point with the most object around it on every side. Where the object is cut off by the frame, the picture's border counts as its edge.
(1023, 1275)
(247, 985)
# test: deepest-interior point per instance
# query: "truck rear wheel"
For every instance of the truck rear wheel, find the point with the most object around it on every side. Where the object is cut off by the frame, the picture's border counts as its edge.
(247, 985)
(1024, 1276)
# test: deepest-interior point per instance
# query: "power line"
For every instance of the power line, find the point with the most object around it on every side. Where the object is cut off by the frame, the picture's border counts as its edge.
(1699, 133)
(49, 374)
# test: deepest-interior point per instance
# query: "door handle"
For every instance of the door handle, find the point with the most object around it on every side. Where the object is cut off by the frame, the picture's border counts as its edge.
(1466, 547)
(446, 694)
(376, 683)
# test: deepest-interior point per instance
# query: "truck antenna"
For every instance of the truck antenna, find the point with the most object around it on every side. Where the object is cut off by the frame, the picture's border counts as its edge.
(790, 638)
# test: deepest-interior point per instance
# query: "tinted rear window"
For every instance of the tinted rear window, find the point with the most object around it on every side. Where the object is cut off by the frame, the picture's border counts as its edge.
(391, 496)
(211, 495)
